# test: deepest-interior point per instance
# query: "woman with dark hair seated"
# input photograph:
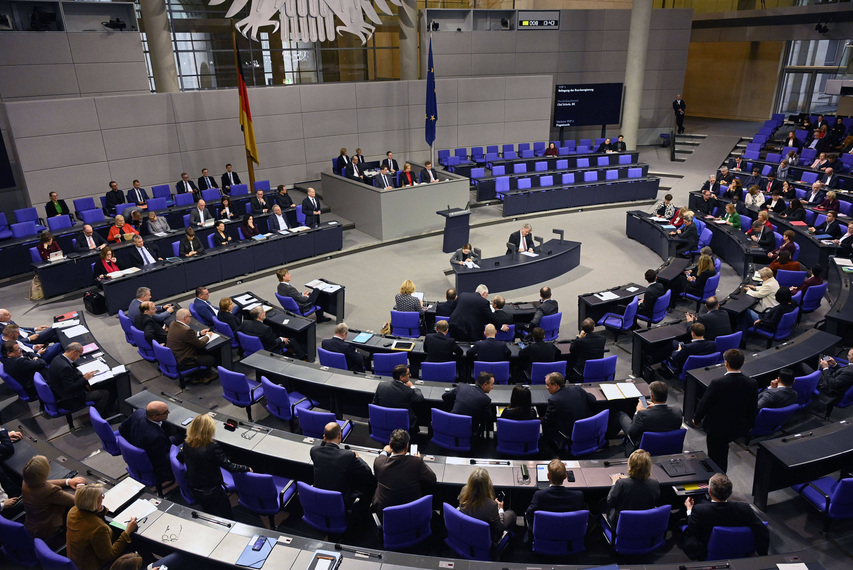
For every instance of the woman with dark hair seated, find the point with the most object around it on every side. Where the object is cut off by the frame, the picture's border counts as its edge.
(190, 245)
(105, 265)
(47, 245)
(226, 210)
(552, 150)
(769, 319)
(787, 245)
(520, 405)
(220, 236)
(248, 227)
(795, 211)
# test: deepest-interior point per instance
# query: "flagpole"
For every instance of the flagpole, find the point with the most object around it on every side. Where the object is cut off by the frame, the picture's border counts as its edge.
(250, 166)
(432, 146)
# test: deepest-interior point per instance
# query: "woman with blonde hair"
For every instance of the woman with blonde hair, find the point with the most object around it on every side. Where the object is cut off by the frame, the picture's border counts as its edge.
(89, 539)
(44, 500)
(203, 458)
(477, 500)
(405, 301)
(634, 492)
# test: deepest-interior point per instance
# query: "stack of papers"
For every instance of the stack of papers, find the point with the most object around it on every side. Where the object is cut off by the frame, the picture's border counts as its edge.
(64, 324)
(329, 287)
(619, 391)
(607, 296)
(842, 261)
(315, 283)
(529, 254)
(138, 508)
(75, 331)
(119, 495)
(471, 265)
(123, 272)
(244, 299)
(91, 347)
(658, 219)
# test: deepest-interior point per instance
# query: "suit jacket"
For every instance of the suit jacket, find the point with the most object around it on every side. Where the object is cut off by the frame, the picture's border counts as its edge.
(181, 188)
(489, 350)
(766, 239)
(424, 174)
(355, 171)
(288, 290)
(360, 158)
(392, 164)
(184, 342)
(445, 308)
(67, 383)
(659, 417)
(653, 292)
(207, 183)
(264, 332)
(232, 320)
(226, 182)
(343, 162)
(407, 178)
(274, 225)
(470, 317)
(152, 329)
(830, 182)
(539, 352)
(691, 236)
(308, 209)
(80, 244)
(184, 247)
(45, 506)
(618, 146)
(394, 394)
(717, 323)
(458, 256)
(502, 317)
(548, 307)
(694, 348)
(204, 463)
(113, 200)
(629, 494)
(515, 240)
(136, 257)
(137, 196)
(554, 499)
(50, 209)
(777, 397)
(833, 229)
(337, 469)
(441, 348)
(705, 516)
(729, 405)
(283, 200)
(470, 400)
(834, 382)
(565, 407)
(257, 207)
(89, 540)
(705, 207)
(400, 479)
(138, 430)
(195, 216)
(770, 319)
(206, 311)
(23, 369)
(355, 361)
(133, 312)
(589, 347)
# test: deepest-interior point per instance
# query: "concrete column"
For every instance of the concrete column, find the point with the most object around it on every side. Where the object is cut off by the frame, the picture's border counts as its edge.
(635, 70)
(157, 30)
(408, 39)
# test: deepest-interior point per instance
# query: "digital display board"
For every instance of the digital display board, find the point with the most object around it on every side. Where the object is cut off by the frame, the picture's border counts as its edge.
(539, 20)
(589, 104)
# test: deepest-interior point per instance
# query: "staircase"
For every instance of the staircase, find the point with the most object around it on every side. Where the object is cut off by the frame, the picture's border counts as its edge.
(684, 145)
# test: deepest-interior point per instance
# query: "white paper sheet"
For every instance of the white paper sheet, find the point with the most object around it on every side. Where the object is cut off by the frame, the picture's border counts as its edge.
(792, 566)
(611, 391)
(139, 508)
(607, 295)
(243, 299)
(75, 331)
(315, 283)
(529, 254)
(116, 497)
(66, 324)
(632, 289)
(629, 390)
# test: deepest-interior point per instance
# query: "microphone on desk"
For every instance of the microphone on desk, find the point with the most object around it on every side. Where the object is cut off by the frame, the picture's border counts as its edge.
(339, 546)
(797, 436)
(174, 399)
(706, 567)
(196, 515)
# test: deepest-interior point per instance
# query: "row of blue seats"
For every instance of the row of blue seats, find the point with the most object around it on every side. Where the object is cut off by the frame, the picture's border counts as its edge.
(547, 181)
(542, 166)
(495, 153)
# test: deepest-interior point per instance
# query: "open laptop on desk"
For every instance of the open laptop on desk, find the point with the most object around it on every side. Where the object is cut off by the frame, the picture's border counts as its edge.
(56, 256)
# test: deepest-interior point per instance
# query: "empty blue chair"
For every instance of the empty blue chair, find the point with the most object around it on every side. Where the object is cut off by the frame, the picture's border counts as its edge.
(568, 178)
(725, 342)
(477, 154)
(619, 323)
(551, 325)
(564, 151)
(106, 434)
(507, 336)
(49, 559)
(790, 278)
(240, 190)
(709, 291)
(500, 370)
(211, 194)
(169, 365)
(663, 442)
(5, 232)
(659, 311)
(250, 344)
(611, 175)
(470, 538)
(539, 148)
(24, 229)
(562, 164)
(239, 390)
(588, 434)
(126, 326)
(539, 370)
(770, 420)
(833, 499)
(283, 404)
(600, 369)
(438, 371)
(451, 431)
(406, 525)
(638, 532)
(92, 216)
(812, 298)
(730, 542)
(498, 170)
(559, 534)
(225, 331)
(83, 204)
(57, 223)
(313, 422)
(262, 185)
(35, 257)
(477, 173)
(50, 407)
(773, 157)
(699, 361)
(805, 387)
(524, 184)
(501, 186)
(163, 191)
(406, 323)
(155, 204)
(332, 359)
(176, 250)
(15, 386)
(442, 156)
(519, 168)
(384, 363)
(17, 544)
(518, 438)
(29, 215)
(583, 163)
(783, 330)
(323, 510)
(184, 199)
(385, 420)
(603, 161)
(583, 149)
(138, 465)
(264, 494)
(541, 166)
(585, 142)
(625, 159)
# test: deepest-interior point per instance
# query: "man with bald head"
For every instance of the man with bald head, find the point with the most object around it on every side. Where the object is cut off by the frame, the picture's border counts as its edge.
(71, 387)
(188, 346)
(489, 349)
(88, 240)
(342, 470)
(200, 215)
(311, 209)
(147, 430)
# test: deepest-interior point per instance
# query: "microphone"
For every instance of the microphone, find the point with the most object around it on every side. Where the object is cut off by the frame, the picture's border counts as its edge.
(339, 546)
(196, 515)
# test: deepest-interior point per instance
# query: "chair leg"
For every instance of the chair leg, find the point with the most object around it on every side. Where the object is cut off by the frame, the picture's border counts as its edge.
(70, 421)
(249, 412)
(272, 522)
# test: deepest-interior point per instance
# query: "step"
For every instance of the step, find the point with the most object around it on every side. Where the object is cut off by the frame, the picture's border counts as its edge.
(688, 143)
(691, 136)
(683, 151)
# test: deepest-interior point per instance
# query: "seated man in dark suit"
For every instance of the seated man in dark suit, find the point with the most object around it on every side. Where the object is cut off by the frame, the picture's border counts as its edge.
(355, 171)
(556, 498)
(702, 518)
(707, 205)
(115, 197)
(446, 307)
(146, 322)
(22, 367)
(229, 178)
(383, 179)
(763, 236)
(200, 215)
(185, 185)
(55, 206)
(400, 393)
(147, 429)
(439, 347)
(203, 307)
(206, 181)
(337, 343)
(619, 144)
(71, 387)
(89, 240)
(428, 174)
(390, 162)
(547, 306)
(698, 346)
(342, 470)
(142, 254)
(831, 226)
(502, 317)
(137, 195)
(689, 234)
(473, 400)
(716, 321)
(654, 291)
(400, 477)
(588, 345)
(538, 350)
(657, 417)
(282, 198)
(304, 300)
(260, 205)
(522, 240)
(566, 405)
(489, 349)
(780, 394)
(254, 326)
(835, 380)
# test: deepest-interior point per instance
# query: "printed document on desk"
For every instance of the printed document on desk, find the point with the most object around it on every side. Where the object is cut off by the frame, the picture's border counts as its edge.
(140, 508)
(607, 296)
(75, 331)
(119, 495)
(529, 254)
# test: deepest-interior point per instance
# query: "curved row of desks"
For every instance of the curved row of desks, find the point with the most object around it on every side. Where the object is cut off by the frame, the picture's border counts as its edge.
(581, 194)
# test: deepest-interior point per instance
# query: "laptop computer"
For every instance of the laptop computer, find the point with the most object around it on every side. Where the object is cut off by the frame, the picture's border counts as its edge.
(56, 256)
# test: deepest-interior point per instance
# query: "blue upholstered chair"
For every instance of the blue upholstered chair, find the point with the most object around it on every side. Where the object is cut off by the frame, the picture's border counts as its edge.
(600, 369)
(451, 431)
(518, 438)
(404, 526)
(239, 390)
(559, 534)
(588, 434)
(323, 510)
(638, 532)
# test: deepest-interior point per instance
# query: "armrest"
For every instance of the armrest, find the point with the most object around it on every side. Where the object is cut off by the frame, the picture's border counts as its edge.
(293, 407)
(252, 391)
(819, 490)
(376, 521)
(284, 489)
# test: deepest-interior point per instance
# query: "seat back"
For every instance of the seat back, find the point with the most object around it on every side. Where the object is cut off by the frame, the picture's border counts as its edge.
(14, 385)
(184, 199)
(83, 204)
(312, 422)
(27, 215)
(588, 434)
(805, 386)
(35, 257)
(406, 323)
(568, 178)
(176, 250)
(730, 542)
(210, 195)
(92, 216)
(257, 493)
(385, 420)
(126, 326)
(277, 400)
(524, 184)
(155, 204)
(500, 370)
(661, 307)
(699, 361)
(138, 464)
(786, 325)
(324, 510)
(770, 420)
(162, 191)
(451, 431)
(551, 325)
(47, 558)
(240, 190)
(262, 185)
(104, 431)
(640, 532)
(559, 534)
(498, 170)
(545, 181)
(23, 229)
(332, 359)
(813, 297)
(540, 166)
(179, 470)
(790, 278)
(46, 396)
(469, 537)
(507, 336)
(438, 371)
(711, 286)
(250, 344)
(57, 223)
(727, 341)
(663, 442)
(166, 359)
(225, 330)
(17, 544)
(235, 387)
(518, 437)
(406, 525)
(384, 363)
(600, 369)
(841, 499)
(539, 370)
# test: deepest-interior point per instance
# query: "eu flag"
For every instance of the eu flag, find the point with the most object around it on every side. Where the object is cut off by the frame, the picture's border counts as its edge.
(431, 104)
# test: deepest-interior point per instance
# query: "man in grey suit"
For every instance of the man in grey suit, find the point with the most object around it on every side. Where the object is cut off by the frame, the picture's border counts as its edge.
(305, 300)
(657, 417)
(200, 215)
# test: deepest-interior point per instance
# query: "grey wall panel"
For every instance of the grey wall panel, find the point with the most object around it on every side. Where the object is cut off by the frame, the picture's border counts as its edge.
(447, 115)
(140, 141)
(327, 97)
(618, 20)
(57, 151)
(481, 112)
(446, 137)
(214, 159)
(37, 81)
(614, 61)
(450, 42)
(34, 48)
(283, 99)
(135, 110)
(476, 135)
(569, 62)
(544, 62)
(482, 89)
(531, 86)
(415, 143)
(453, 65)
(527, 109)
(373, 119)
(526, 131)
(274, 128)
(109, 78)
(538, 41)
(286, 175)
(382, 94)
(206, 105)
(316, 147)
(214, 133)
(149, 170)
(104, 48)
(36, 118)
(379, 143)
(283, 153)
(669, 39)
(326, 123)
(492, 64)
(446, 90)
(492, 43)
(71, 182)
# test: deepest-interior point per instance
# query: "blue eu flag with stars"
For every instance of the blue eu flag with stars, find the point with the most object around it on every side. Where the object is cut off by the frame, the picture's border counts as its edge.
(431, 104)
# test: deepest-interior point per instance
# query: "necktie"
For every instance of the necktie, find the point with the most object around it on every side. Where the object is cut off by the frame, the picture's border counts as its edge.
(201, 216)
(231, 177)
(91, 242)
(523, 244)
(430, 175)
(186, 186)
(314, 203)
(146, 257)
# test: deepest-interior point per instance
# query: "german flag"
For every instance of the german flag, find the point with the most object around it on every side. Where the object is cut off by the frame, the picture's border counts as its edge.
(245, 112)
